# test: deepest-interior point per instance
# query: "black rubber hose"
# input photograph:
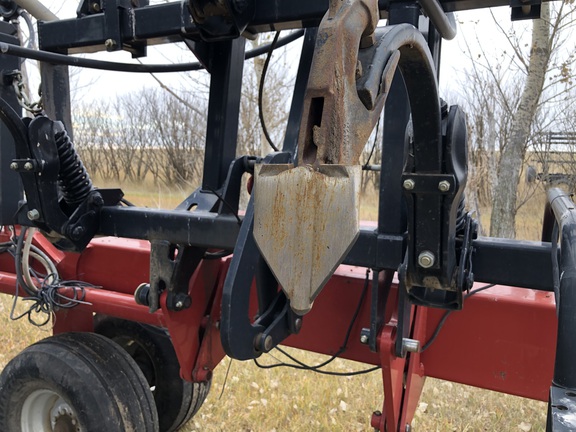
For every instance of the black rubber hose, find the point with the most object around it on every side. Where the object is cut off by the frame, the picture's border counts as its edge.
(50, 57)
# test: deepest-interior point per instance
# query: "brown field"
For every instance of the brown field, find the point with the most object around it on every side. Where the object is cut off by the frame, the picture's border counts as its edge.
(283, 399)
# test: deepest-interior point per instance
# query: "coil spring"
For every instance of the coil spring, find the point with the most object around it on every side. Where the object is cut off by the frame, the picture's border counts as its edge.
(461, 216)
(73, 179)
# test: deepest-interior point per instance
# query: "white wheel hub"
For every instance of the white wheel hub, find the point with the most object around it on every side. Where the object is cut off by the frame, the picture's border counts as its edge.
(45, 411)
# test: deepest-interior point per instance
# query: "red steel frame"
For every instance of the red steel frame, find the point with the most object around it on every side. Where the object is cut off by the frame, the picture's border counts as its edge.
(503, 340)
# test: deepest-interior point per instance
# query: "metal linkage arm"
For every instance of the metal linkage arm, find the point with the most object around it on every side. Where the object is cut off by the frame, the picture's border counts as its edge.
(562, 408)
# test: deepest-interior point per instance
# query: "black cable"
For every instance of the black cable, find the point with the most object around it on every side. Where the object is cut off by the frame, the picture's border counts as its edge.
(318, 371)
(373, 144)
(261, 91)
(303, 366)
(46, 298)
(447, 314)
(217, 255)
(223, 201)
(63, 59)
(126, 202)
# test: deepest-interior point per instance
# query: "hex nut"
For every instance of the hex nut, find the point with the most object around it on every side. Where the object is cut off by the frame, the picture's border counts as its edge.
(426, 259)
(110, 44)
(444, 186)
(409, 184)
(33, 214)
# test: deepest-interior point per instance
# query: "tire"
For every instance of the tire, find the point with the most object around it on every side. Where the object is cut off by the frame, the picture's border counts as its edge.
(73, 382)
(177, 401)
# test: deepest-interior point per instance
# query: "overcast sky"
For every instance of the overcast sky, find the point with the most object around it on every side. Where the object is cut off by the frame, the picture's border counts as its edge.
(96, 84)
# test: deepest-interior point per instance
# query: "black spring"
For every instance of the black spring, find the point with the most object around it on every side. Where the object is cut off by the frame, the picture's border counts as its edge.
(73, 179)
(461, 217)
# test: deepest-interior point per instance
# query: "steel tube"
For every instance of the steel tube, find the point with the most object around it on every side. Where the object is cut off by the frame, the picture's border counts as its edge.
(37, 10)
(445, 24)
(565, 213)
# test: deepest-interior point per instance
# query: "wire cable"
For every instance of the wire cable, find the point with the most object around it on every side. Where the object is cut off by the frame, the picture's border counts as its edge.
(317, 368)
(373, 144)
(44, 291)
(447, 314)
(63, 59)
(261, 91)
(31, 31)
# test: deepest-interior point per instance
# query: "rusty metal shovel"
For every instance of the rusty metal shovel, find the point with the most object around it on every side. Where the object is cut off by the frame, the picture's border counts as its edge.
(306, 218)
(305, 223)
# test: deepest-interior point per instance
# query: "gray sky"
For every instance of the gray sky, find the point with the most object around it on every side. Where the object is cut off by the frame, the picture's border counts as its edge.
(97, 84)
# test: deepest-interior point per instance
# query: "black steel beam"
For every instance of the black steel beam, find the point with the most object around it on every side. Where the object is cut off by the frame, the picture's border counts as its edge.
(172, 21)
(200, 229)
(10, 184)
(524, 264)
(226, 61)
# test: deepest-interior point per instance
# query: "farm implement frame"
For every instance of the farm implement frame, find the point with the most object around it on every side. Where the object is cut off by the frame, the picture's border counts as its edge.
(416, 294)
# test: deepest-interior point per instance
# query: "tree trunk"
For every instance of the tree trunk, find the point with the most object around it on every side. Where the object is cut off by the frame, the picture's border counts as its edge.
(504, 203)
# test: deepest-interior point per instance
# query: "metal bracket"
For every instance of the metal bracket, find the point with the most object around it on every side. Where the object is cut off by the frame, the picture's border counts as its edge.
(561, 410)
(115, 12)
(70, 226)
(434, 193)
(172, 265)
(243, 338)
(221, 19)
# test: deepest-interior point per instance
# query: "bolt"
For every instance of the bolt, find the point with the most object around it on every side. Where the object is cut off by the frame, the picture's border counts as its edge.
(96, 7)
(96, 199)
(268, 343)
(298, 324)
(182, 301)
(28, 166)
(410, 345)
(375, 420)
(141, 294)
(14, 166)
(409, 184)
(33, 215)
(110, 44)
(426, 259)
(444, 186)
(77, 232)
(364, 339)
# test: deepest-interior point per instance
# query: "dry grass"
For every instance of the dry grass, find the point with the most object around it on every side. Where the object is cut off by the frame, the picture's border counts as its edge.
(284, 399)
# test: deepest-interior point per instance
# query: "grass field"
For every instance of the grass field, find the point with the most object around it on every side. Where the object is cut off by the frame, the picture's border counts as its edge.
(282, 399)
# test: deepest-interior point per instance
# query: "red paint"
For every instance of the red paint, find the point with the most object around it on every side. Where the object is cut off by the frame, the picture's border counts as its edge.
(503, 339)
(185, 327)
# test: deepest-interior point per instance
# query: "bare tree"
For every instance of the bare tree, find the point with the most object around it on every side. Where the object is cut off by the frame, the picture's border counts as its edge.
(504, 207)
(509, 98)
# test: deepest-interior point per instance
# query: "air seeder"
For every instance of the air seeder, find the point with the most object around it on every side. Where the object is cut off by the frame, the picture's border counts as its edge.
(177, 290)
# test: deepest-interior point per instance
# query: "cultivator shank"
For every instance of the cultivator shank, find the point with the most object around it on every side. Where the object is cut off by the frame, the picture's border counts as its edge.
(298, 267)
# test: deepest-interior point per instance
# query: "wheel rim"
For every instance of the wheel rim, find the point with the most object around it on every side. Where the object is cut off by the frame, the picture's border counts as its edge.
(44, 410)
